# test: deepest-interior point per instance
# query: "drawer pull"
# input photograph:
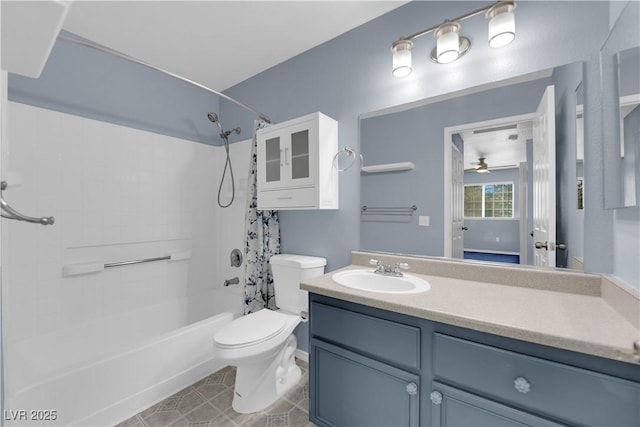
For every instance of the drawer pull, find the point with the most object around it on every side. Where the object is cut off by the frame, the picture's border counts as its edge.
(436, 397)
(412, 389)
(522, 385)
(285, 198)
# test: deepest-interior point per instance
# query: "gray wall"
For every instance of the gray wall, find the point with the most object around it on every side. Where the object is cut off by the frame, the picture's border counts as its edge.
(88, 83)
(417, 135)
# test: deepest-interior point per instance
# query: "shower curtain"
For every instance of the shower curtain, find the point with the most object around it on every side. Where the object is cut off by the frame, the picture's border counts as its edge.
(262, 234)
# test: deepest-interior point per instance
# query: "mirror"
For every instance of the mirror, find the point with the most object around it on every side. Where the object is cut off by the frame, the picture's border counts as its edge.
(620, 64)
(492, 129)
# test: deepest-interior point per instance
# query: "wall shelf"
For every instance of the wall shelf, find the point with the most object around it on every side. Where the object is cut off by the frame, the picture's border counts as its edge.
(388, 167)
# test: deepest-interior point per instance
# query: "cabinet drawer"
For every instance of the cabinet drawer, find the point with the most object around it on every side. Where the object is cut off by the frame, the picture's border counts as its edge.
(563, 392)
(290, 197)
(386, 340)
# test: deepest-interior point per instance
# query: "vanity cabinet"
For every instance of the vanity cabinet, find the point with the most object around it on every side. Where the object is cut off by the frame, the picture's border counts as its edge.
(295, 164)
(374, 367)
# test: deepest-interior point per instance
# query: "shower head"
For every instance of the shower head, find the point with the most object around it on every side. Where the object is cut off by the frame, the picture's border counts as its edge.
(213, 117)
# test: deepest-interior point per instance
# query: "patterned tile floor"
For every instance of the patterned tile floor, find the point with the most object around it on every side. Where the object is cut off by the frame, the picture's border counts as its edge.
(207, 403)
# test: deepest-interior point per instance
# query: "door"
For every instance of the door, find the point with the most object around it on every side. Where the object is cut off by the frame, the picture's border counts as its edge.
(457, 203)
(544, 181)
(453, 407)
(348, 389)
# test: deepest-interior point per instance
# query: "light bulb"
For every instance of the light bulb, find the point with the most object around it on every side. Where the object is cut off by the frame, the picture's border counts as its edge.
(502, 24)
(448, 42)
(401, 50)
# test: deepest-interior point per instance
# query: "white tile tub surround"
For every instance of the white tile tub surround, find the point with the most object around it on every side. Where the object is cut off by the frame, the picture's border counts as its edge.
(117, 194)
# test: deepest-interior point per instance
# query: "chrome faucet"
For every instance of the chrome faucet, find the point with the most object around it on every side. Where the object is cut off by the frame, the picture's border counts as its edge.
(388, 270)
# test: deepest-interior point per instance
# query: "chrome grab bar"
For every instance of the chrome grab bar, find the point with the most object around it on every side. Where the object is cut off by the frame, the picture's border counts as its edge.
(10, 213)
(136, 261)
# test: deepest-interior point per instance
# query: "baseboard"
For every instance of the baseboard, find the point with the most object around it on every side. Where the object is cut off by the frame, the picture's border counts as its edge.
(302, 355)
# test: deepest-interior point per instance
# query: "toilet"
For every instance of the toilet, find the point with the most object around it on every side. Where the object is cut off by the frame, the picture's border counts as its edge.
(262, 345)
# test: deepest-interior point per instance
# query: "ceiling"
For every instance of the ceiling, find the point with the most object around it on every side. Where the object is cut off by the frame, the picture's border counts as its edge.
(502, 147)
(218, 43)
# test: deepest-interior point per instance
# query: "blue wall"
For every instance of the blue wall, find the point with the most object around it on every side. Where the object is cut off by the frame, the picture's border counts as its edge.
(88, 83)
(351, 75)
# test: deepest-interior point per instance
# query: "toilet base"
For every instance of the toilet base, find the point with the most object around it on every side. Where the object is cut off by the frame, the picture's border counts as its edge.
(259, 383)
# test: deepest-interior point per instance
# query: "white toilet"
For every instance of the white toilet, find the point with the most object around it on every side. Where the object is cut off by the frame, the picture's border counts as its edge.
(261, 344)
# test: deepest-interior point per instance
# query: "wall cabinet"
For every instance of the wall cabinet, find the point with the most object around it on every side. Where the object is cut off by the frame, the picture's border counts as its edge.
(363, 359)
(295, 164)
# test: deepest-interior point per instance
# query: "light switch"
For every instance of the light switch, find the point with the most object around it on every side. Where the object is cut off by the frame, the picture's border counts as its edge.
(423, 220)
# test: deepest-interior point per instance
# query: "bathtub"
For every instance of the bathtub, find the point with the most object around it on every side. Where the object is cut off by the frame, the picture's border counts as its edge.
(103, 372)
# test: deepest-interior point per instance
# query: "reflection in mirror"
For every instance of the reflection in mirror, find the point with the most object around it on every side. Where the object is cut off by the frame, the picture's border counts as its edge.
(629, 95)
(580, 147)
(491, 213)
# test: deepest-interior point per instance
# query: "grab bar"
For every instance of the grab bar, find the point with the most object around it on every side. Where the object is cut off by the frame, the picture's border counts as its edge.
(392, 210)
(136, 261)
(97, 267)
(11, 213)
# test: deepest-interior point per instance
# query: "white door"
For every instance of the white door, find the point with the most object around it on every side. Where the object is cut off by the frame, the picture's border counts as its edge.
(457, 203)
(544, 181)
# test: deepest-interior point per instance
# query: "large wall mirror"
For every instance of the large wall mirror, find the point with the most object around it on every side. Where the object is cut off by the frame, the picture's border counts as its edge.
(472, 174)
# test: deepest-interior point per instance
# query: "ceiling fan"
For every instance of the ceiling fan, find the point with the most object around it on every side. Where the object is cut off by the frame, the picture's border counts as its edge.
(481, 166)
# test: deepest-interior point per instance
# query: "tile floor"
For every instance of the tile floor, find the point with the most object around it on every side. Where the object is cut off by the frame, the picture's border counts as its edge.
(207, 403)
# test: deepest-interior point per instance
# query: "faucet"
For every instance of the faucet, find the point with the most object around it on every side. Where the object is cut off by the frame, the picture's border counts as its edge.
(389, 270)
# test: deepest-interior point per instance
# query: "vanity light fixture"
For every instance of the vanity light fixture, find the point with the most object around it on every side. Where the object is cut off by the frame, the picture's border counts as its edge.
(450, 45)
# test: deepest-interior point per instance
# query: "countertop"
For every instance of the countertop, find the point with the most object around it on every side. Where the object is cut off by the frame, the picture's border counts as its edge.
(581, 322)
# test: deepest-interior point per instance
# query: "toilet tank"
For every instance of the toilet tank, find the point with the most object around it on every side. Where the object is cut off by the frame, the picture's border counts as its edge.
(288, 272)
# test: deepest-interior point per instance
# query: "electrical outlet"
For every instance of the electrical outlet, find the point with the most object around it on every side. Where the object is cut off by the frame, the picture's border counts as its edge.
(497, 239)
(423, 220)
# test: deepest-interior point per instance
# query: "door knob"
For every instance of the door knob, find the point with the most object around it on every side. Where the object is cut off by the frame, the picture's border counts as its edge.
(540, 245)
(463, 228)
(561, 246)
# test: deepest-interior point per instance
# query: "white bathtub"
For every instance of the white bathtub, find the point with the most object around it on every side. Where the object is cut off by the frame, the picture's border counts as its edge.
(104, 372)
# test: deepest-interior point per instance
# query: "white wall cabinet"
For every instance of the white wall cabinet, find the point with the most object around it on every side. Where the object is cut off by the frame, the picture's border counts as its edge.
(295, 164)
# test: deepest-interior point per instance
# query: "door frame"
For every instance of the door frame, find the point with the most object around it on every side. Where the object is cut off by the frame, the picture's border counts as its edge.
(448, 132)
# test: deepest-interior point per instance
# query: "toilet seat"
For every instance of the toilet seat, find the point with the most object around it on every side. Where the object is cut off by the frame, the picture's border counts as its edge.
(251, 329)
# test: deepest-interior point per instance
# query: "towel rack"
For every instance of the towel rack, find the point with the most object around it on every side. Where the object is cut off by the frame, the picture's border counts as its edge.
(10, 213)
(391, 210)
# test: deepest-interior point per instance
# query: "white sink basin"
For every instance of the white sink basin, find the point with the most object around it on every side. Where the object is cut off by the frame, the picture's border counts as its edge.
(367, 280)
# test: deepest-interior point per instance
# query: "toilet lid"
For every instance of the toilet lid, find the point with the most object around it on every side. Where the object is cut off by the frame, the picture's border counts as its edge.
(251, 329)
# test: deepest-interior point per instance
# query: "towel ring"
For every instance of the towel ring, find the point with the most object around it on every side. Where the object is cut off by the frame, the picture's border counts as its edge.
(350, 152)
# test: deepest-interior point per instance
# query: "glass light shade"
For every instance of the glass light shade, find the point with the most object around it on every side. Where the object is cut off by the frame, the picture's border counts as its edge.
(448, 42)
(401, 51)
(502, 25)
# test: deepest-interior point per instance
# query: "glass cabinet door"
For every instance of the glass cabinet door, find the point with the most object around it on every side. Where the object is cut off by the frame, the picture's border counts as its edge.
(300, 154)
(273, 155)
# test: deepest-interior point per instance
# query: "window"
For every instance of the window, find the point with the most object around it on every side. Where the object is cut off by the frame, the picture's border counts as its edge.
(488, 200)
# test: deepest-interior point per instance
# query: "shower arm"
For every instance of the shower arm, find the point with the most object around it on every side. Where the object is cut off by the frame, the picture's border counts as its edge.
(162, 70)
(10, 213)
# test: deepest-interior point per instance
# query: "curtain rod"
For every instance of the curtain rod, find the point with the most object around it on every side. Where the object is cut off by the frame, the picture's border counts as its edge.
(162, 70)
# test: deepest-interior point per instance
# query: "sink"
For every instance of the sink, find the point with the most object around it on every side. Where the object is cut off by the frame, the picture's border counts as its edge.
(367, 280)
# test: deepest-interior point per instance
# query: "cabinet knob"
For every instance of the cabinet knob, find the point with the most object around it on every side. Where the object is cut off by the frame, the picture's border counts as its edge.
(522, 385)
(436, 397)
(412, 389)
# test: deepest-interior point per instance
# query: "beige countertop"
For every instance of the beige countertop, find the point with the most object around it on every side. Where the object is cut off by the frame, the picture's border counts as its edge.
(570, 320)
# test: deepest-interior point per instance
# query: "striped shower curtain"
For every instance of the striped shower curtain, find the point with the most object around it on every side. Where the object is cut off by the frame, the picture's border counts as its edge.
(262, 234)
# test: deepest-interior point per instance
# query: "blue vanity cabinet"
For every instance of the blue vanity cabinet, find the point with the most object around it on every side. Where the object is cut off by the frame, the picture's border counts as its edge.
(364, 370)
(371, 367)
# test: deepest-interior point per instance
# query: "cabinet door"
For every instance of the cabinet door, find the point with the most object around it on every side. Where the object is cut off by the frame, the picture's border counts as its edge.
(300, 154)
(271, 160)
(347, 389)
(452, 407)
